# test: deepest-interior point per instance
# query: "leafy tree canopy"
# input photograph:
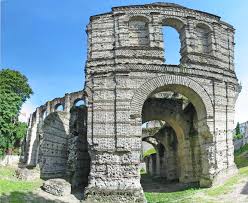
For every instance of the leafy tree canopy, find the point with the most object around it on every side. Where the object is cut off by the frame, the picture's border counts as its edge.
(14, 91)
(12, 81)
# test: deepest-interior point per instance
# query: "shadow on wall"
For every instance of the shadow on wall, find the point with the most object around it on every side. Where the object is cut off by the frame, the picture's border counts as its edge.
(63, 147)
(78, 165)
(53, 145)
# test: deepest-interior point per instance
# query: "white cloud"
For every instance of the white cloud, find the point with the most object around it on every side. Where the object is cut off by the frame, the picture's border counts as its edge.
(26, 110)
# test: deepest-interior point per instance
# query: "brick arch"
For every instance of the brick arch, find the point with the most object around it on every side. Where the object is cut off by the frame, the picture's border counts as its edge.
(140, 17)
(204, 25)
(183, 85)
(174, 22)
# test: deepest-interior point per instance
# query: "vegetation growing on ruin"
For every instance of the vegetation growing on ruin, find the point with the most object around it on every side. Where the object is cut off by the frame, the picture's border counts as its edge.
(149, 152)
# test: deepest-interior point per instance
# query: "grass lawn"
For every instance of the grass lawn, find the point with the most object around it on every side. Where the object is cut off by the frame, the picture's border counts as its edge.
(199, 195)
(13, 188)
(16, 190)
(209, 195)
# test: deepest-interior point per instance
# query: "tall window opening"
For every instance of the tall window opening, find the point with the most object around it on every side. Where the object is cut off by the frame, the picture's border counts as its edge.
(138, 31)
(203, 39)
(172, 45)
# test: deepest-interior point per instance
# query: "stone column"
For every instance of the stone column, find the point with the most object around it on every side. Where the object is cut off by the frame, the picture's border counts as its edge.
(67, 104)
(33, 144)
(114, 143)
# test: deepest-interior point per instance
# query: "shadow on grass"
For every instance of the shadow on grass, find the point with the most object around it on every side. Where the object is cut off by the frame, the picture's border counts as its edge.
(30, 197)
(245, 189)
(161, 185)
(25, 197)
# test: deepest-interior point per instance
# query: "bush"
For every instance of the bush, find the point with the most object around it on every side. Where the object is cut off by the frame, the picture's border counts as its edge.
(149, 152)
(238, 136)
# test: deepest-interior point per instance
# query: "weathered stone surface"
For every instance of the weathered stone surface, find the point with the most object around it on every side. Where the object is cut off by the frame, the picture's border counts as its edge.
(58, 187)
(125, 70)
(11, 160)
(27, 174)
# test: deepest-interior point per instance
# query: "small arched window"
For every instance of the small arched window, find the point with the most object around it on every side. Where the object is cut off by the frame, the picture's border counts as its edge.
(203, 34)
(138, 31)
(59, 107)
(79, 103)
(173, 41)
(172, 45)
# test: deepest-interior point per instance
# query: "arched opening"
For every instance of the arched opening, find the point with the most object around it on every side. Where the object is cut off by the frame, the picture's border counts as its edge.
(173, 40)
(172, 130)
(59, 107)
(79, 158)
(196, 126)
(172, 45)
(79, 103)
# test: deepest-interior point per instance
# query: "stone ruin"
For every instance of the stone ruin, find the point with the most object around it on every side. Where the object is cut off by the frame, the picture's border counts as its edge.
(97, 146)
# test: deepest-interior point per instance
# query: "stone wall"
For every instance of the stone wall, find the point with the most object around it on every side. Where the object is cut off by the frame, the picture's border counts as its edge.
(53, 155)
(56, 140)
(126, 65)
(78, 162)
(37, 119)
(125, 68)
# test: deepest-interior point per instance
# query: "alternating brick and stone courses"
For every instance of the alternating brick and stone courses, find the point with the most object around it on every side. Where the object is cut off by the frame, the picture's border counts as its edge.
(125, 70)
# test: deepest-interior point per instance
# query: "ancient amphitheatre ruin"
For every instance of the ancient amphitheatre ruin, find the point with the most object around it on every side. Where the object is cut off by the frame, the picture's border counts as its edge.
(97, 146)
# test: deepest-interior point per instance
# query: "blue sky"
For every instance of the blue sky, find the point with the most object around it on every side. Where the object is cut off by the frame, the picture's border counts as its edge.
(46, 41)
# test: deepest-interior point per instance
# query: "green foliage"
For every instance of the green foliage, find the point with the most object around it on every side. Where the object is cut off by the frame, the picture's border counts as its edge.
(9, 184)
(228, 186)
(171, 197)
(149, 152)
(14, 82)
(241, 150)
(240, 157)
(203, 195)
(142, 171)
(238, 136)
(14, 90)
(7, 172)
(237, 129)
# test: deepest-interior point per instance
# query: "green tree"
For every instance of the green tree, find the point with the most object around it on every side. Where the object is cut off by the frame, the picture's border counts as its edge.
(14, 91)
(238, 134)
(237, 129)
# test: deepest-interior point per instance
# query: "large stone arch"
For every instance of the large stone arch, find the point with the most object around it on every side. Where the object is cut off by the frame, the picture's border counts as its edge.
(203, 106)
(170, 112)
(184, 85)
(153, 110)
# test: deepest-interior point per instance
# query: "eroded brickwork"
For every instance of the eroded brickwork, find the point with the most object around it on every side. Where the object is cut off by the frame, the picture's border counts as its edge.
(125, 68)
